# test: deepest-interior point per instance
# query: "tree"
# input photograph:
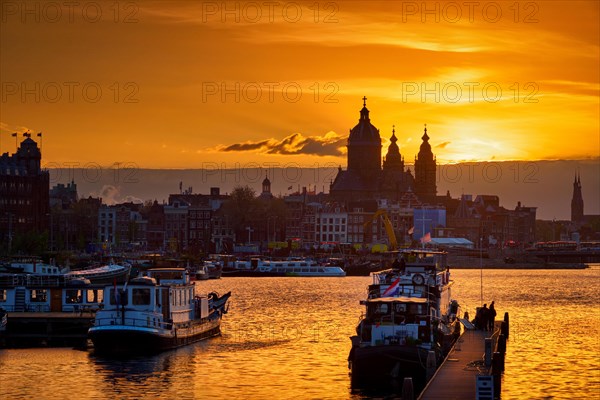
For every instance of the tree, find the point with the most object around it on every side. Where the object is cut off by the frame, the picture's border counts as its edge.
(243, 209)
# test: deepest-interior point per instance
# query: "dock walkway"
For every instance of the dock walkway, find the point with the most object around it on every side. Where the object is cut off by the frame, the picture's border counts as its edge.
(456, 377)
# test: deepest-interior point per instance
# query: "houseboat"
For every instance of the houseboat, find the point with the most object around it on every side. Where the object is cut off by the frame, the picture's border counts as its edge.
(409, 312)
(155, 312)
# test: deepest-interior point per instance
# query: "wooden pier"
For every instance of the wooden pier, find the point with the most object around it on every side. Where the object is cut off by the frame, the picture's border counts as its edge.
(26, 329)
(467, 373)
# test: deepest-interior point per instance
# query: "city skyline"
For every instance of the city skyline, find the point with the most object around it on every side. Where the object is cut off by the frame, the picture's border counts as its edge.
(180, 85)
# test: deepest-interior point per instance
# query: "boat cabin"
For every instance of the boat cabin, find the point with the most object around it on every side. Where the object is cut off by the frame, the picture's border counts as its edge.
(396, 320)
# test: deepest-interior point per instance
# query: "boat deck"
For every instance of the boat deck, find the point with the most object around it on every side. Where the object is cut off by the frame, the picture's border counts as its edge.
(456, 377)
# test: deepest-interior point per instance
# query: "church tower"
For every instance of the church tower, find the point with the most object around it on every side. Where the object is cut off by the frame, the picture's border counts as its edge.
(393, 161)
(266, 189)
(577, 201)
(425, 168)
(364, 147)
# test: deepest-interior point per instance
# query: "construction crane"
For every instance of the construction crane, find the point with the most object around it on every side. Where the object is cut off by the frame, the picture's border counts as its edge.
(389, 229)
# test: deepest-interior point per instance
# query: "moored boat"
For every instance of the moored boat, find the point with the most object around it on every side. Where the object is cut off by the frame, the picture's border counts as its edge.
(409, 317)
(156, 312)
(105, 274)
(257, 267)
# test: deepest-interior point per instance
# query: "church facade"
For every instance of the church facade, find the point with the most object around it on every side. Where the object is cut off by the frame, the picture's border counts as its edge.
(367, 177)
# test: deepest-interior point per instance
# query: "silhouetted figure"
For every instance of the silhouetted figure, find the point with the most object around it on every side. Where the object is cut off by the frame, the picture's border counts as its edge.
(396, 264)
(485, 316)
(492, 316)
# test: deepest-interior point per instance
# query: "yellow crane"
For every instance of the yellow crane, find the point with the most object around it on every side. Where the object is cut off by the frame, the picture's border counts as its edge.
(389, 229)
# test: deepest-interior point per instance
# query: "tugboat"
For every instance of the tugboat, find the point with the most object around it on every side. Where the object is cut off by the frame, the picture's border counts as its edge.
(156, 312)
(410, 318)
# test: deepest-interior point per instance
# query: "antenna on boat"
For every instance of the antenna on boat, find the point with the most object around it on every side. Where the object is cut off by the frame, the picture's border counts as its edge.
(481, 270)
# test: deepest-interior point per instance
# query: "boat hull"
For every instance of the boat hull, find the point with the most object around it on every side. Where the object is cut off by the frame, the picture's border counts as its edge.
(127, 340)
(388, 363)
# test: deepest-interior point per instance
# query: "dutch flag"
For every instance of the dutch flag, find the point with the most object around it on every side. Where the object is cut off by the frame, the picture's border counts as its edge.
(392, 289)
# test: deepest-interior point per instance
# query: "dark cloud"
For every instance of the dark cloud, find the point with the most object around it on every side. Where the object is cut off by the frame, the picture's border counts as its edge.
(330, 144)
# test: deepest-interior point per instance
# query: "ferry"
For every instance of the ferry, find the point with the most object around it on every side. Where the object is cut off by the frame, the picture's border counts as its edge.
(256, 267)
(154, 313)
(409, 312)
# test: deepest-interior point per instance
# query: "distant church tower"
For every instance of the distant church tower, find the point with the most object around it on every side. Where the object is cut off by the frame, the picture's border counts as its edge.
(577, 201)
(266, 189)
(364, 147)
(393, 161)
(425, 167)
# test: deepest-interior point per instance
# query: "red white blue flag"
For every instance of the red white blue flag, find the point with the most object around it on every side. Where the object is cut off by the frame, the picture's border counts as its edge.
(392, 289)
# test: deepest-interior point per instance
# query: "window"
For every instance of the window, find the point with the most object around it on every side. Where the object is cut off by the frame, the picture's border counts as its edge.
(2, 295)
(140, 297)
(39, 295)
(73, 296)
(120, 297)
(95, 296)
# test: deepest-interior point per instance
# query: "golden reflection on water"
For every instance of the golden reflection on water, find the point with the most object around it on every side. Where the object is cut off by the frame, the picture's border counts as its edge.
(289, 338)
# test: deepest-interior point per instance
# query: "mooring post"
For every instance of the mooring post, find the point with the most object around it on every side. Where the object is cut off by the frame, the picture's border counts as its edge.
(407, 389)
(496, 372)
(501, 346)
(507, 324)
(488, 352)
(431, 364)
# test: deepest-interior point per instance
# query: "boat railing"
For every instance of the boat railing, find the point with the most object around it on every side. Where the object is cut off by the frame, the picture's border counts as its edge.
(148, 322)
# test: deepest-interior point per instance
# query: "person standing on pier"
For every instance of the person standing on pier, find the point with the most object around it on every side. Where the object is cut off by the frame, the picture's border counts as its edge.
(491, 316)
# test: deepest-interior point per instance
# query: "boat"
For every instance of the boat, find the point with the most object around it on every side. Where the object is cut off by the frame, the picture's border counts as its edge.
(256, 267)
(154, 313)
(48, 310)
(105, 274)
(409, 316)
(22, 293)
(33, 265)
(214, 269)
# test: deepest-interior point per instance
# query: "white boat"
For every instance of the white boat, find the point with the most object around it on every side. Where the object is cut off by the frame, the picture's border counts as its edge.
(409, 313)
(156, 312)
(291, 267)
(33, 265)
(105, 274)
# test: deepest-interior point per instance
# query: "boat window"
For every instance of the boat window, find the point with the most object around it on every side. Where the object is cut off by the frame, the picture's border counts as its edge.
(95, 296)
(140, 297)
(39, 295)
(73, 296)
(400, 307)
(118, 297)
(2, 295)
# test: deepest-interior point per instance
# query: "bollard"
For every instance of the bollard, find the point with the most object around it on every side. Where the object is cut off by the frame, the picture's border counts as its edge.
(488, 352)
(507, 324)
(407, 389)
(496, 373)
(504, 329)
(431, 364)
(501, 346)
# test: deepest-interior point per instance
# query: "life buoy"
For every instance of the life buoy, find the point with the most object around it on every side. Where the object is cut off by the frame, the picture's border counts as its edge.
(418, 279)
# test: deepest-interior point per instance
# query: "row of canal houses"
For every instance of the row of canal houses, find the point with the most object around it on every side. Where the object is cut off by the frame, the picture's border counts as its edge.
(197, 223)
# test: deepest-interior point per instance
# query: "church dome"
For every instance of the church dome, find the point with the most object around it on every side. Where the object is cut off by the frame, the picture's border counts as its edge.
(364, 131)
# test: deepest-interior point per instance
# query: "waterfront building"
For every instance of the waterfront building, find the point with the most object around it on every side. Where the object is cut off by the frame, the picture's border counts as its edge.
(24, 193)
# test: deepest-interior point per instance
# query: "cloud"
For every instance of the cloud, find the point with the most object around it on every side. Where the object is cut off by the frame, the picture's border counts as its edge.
(13, 128)
(331, 144)
(111, 195)
(442, 145)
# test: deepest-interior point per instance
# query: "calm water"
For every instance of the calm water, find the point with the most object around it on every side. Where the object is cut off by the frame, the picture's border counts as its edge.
(288, 338)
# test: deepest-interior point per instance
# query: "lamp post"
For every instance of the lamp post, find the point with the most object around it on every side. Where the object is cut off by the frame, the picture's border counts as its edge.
(250, 230)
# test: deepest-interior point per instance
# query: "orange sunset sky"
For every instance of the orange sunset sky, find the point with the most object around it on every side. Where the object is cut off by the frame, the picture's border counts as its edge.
(143, 81)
